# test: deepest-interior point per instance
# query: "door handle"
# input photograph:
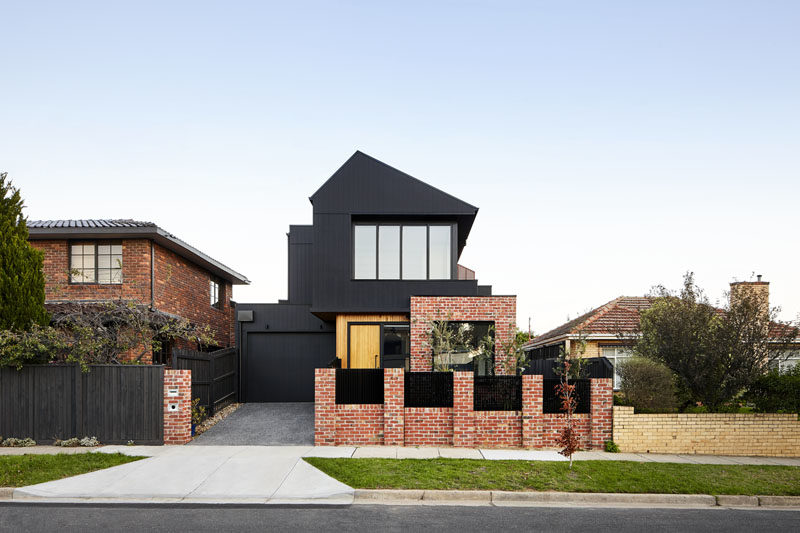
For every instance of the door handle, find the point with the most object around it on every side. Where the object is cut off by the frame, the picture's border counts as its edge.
(376, 361)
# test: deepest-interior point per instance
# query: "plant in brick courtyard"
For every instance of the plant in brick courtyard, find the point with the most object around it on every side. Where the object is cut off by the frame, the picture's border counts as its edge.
(198, 412)
(21, 276)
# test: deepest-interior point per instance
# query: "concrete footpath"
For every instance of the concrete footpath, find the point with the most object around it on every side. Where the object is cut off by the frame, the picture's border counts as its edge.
(278, 475)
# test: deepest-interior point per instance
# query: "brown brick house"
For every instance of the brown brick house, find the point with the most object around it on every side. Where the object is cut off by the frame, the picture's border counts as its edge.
(101, 260)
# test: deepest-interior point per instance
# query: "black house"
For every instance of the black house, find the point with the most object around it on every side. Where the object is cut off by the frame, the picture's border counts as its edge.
(379, 237)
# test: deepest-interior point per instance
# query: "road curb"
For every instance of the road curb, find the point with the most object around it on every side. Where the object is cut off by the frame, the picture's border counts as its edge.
(6, 493)
(728, 500)
(779, 501)
(701, 500)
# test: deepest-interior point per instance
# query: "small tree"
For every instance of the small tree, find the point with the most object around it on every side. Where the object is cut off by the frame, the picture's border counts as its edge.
(716, 353)
(21, 272)
(569, 367)
(647, 385)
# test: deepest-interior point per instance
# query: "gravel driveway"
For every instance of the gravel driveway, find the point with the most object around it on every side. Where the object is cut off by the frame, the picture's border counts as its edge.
(263, 424)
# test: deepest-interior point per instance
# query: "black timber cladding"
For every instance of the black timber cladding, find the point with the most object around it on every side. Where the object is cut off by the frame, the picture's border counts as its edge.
(301, 240)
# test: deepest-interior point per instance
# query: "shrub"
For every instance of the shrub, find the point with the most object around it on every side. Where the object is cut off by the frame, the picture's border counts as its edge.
(776, 392)
(611, 446)
(12, 442)
(74, 442)
(198, 412)
(647, 385)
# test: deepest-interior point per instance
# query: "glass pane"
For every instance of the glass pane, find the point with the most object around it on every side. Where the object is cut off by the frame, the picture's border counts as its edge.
(396, 340)
(104, 275)
(116, 249)
(88, 261)
(76, 249)
(104, 249)
(364, 252)
(440, 252)
(415, 256)
(104, 261)
(116, 276)
(88, 275)
(389, 252)
(116, 261)
(77, 261)
(88, 249)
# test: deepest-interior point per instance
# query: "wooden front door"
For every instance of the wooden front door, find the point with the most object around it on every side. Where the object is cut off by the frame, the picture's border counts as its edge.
(365, 346)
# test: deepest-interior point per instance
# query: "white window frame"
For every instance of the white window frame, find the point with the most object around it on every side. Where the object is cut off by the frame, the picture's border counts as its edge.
(620, 353)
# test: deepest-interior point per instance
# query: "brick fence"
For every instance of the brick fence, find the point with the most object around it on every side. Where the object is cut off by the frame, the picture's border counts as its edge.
(393, 424)
(177, 406)
(776, 435)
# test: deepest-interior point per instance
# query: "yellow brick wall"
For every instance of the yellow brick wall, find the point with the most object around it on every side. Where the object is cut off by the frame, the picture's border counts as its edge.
(772, 435)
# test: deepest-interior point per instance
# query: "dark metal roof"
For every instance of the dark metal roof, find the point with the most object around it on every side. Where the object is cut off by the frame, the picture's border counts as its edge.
(130, 229)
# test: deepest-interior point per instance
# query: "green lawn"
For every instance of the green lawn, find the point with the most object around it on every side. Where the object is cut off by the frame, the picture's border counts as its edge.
(21, 470)
(586, 476)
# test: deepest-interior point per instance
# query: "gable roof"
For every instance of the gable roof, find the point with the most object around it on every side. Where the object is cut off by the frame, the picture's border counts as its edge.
(366, 186)
(125, 228)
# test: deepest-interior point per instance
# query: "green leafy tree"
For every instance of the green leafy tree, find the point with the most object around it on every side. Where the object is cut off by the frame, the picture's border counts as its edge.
(21, 272)
(715, 353)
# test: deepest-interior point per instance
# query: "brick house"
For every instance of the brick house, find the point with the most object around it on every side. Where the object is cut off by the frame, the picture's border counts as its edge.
(100, 260)
(607, 330)
(379, 261)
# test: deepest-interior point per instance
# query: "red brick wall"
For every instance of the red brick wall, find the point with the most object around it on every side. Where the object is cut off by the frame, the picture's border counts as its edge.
(459, 426)
(498, 429)
(502, 310)
(359, 425)
(429, 426)
(178, 422)
(182, 288)
(135, 274)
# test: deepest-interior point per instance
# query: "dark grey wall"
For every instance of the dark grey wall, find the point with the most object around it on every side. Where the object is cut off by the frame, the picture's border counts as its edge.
(301, 259)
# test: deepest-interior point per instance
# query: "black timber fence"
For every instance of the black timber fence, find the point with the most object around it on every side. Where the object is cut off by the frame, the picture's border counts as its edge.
(428, 389)
(115, 403)
(593, 367)
(551, 402)
(359, 385)
(497, 393)
(215, 376)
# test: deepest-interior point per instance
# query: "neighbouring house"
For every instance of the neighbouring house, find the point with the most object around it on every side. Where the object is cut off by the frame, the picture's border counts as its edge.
(379, 261)
(606, 331)
(90, 261)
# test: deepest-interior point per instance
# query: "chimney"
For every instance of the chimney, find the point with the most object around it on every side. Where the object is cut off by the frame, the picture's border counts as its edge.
(755, 289)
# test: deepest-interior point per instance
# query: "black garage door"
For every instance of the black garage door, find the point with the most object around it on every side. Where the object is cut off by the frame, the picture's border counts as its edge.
(279, 367)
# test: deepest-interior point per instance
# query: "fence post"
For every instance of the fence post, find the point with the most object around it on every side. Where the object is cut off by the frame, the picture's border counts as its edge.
(393, 407)
(325, 406)
(601, 411)
(463, 404)
(532, 428)
(178, 421)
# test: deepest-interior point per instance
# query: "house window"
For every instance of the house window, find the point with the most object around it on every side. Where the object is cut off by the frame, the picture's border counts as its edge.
(616, 355)
(471, 339)
(214, 292)
(93, 262)
(787, 361)
(400, 251)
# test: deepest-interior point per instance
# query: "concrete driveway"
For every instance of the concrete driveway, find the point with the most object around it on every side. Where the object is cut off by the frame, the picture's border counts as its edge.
(263, 424)
(233, 474)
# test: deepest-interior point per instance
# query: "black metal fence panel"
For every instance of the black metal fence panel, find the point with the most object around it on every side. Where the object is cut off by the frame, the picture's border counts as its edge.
(115, 403)
(594, 367)
(428, 389)
(551, 402)
(214, 375)
(497, 393)
(359, 385)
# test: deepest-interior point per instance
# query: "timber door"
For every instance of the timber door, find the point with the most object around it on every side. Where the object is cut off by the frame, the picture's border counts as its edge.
(365, 346)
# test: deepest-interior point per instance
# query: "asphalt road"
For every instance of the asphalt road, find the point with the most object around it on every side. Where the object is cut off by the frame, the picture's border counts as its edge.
(88, 518)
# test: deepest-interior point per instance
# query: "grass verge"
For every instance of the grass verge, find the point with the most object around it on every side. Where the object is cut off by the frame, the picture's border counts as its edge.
(585, 476)
(22, 470)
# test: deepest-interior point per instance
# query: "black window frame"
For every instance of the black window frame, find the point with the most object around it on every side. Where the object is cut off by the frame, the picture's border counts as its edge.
(453, 250)
(95, 244)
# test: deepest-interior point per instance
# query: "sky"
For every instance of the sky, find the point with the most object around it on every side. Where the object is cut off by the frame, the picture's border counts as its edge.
(610, 146)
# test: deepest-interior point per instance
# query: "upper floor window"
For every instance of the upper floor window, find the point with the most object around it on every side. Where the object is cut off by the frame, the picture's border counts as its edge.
(214, 293)
(95, 262)
(402, 251)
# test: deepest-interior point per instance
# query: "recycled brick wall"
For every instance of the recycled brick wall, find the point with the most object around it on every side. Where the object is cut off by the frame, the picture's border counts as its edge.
(459, 426)
(502, 310)
(178, 423)
(553, 423)
(429, 426)
(498, 429)
(359, 425)
(762, 434)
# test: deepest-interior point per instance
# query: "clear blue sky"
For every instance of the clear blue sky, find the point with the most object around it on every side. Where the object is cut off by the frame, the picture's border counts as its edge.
(610, 145)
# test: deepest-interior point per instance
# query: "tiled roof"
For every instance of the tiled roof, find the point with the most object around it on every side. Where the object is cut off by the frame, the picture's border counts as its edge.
(91, 223)
(619, 316)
